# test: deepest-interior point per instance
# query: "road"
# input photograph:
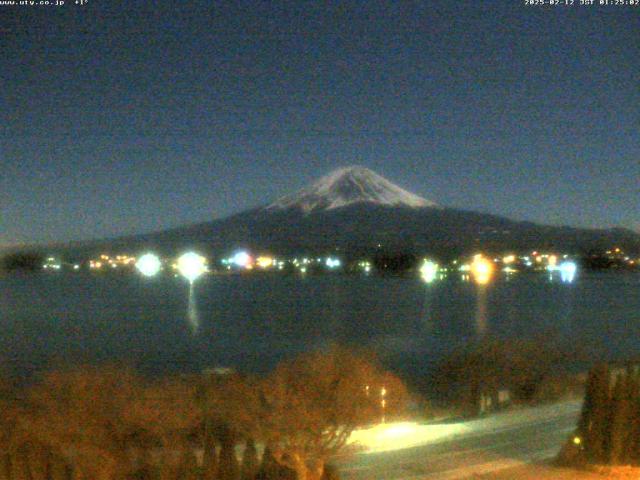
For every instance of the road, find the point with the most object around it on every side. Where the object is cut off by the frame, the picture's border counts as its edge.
(507, 440)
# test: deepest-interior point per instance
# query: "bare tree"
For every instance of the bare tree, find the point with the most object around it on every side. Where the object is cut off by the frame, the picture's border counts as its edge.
(108, 424)
(250, 466)
(230, 413)
(163, 415)
(78, 416)
(313, 403)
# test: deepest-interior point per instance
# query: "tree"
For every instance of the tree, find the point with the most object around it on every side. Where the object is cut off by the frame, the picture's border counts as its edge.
(633, 446)
(249, 461)
(312, 404)
(228, 468)
(230, 410)
(522, 366)
(27, 261)
(78, 415)
(592, 426)
(620, 420)
(12, 436)
(270, 469)
(164, 415)
(330, 473)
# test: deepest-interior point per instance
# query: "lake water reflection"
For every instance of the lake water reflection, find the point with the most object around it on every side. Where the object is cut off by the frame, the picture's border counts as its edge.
(251, 322)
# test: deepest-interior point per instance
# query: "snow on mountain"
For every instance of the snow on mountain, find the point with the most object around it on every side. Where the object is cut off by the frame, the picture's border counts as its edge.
(346, 186)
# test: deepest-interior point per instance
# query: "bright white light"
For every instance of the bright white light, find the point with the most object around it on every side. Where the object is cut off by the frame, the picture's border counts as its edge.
(241, 259)
(429, 271)
(567, 271)
(481, 269)
(191, 266)
(332, 262)
(148, 264)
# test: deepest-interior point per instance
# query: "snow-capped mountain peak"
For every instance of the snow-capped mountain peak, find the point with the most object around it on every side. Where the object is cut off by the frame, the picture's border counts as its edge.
(346, 186)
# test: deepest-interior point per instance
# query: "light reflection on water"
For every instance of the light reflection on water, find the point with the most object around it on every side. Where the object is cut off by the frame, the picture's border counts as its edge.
(253, 321)
(427, 315)
(192, 311)
(481, 311)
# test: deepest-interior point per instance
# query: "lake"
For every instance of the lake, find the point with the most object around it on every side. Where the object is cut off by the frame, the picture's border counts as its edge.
(251, 321)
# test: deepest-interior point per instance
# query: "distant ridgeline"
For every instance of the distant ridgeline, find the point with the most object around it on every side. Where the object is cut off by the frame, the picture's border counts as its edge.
(609, 428)
(355, 213)
(21, 260)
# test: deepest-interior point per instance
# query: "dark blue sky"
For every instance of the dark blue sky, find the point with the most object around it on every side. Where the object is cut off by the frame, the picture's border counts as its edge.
(118, 119)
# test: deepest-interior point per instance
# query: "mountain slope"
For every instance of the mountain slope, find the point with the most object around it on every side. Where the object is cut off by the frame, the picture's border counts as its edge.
(348, 186)
(353, 210)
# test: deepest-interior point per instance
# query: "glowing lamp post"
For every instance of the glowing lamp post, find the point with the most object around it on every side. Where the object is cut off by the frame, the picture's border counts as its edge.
(148, 265)
(428, 271)
(191, 266)
(482, 270)
(383, 401)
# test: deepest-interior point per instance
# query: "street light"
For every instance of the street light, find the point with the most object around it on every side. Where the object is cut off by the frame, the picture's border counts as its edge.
(383, 401)
(148, 265)
(191, 266)
(428, 271)
(482, 270)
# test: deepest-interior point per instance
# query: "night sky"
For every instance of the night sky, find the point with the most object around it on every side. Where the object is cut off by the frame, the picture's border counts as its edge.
(117, 118)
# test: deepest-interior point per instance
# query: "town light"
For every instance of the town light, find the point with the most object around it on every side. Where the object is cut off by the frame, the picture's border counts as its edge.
(482, 270)
(429, 271)
(332, 262)
(265, 262)
(148, 264)
(191, 266)
(509, 259)
(241, 259)
(567, 271)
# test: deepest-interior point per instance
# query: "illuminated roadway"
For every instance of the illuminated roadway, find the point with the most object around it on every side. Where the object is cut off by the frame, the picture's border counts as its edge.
(462, 450)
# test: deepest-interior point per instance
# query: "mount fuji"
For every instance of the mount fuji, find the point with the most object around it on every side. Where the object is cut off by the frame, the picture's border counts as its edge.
(349, 186)
(354, 210)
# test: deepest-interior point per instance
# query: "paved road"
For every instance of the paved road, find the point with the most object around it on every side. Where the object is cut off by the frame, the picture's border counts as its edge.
(480, 447)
